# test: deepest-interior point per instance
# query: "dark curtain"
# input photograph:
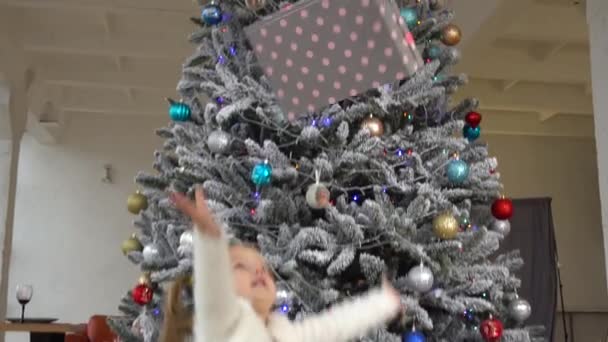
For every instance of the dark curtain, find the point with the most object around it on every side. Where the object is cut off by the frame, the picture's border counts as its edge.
(533, 235)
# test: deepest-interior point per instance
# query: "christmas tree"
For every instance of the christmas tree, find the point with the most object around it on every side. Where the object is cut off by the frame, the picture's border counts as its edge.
(390, 180)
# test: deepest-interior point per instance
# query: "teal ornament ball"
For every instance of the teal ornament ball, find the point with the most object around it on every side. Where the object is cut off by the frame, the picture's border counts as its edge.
(179, 111)
(261, 174)
(410, 15)
(464, 222)
(432, 52)
(414, 336)
(211, 14)
(458, 171)
(471, 133)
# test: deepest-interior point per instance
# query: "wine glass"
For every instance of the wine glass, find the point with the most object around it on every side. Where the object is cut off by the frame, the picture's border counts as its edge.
(24, 295)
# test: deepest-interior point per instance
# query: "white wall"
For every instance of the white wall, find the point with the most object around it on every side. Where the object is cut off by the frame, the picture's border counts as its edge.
(69, 225)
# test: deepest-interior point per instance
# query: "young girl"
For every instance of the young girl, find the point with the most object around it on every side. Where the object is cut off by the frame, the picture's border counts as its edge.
(234, 293)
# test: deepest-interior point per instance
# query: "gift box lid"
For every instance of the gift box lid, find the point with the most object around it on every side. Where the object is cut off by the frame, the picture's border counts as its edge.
(318, 52)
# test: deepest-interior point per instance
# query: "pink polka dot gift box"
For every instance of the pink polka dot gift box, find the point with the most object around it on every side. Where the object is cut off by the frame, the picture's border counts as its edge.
(318, 52)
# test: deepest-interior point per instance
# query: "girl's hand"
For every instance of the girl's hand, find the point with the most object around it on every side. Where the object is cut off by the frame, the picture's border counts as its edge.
(392, 292)
(198, 211)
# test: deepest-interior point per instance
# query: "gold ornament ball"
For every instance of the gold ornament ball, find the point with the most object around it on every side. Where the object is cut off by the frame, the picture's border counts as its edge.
(255, 5)
(131, 245)
(145, 279)
(451, 35)
(374, 125)
(136, 203)
(445, 226)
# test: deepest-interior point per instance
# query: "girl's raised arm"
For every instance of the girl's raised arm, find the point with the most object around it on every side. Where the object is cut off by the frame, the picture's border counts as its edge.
(351, 319)
(216, 305)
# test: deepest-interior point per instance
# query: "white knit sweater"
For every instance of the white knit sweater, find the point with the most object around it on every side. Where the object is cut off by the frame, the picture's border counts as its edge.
(221, 316)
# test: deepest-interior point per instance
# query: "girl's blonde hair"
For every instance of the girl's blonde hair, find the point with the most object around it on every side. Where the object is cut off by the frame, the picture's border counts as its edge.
(177, 325)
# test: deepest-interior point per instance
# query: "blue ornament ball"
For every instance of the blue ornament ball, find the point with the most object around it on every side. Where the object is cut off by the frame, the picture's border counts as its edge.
(432, 51)
(414, 336)
(179, 111)
(212, 14)
(410, 15)
(458, 171)
(261, 174)
(471, 133)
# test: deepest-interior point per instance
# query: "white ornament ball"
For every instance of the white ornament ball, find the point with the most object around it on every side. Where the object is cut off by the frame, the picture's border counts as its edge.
(438, 293)
(186, 239)
(137, 328)
(520, 310)
(219, 141)
(150, 253)
(185, 244)
(283, 294)
(317, 196)
(502, 227)
(420, 279)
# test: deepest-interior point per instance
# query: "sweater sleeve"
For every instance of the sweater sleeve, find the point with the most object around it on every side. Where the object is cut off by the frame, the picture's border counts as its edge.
(215, 301)
(349, 320)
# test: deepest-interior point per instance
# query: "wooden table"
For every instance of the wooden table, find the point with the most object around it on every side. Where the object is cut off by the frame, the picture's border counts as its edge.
(54, 332)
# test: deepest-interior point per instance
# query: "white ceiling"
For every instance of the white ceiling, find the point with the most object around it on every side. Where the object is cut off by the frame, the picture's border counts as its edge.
(527, 59)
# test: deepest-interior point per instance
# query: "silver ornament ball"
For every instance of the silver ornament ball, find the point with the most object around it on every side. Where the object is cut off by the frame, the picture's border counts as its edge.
(520, 310)
(503, 227)
(454, 54)
(150, 253)
(420, 279)
(219, 141)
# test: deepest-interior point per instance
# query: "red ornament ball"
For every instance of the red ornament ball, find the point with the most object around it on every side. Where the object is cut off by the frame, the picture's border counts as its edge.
(473, 119)
(491, 330)
(142, 294)
(502, 209)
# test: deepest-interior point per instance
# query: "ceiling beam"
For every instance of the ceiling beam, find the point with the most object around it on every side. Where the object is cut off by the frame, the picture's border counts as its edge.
(509, 64)
(120, 112)
(114, 5)
(495, 25)
(528, 124)
(528, 97)
(174, 50)
(542, 52)
(161, 79)
(544, 116)
(506, 85)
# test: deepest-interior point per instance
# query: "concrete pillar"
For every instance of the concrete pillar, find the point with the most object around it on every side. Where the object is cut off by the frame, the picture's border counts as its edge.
(597, 19)
(19, 83)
